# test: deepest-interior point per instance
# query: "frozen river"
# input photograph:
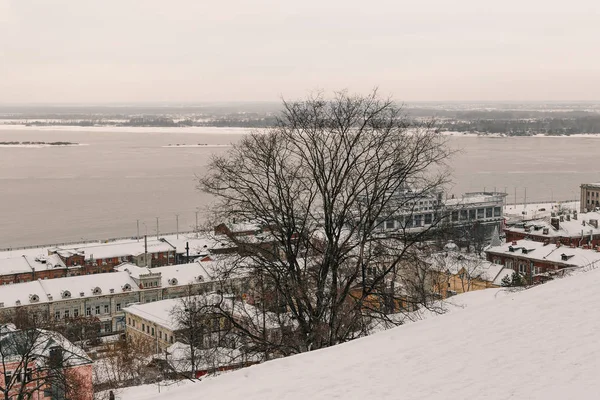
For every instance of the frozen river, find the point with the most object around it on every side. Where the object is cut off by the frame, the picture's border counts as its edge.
(56, 194)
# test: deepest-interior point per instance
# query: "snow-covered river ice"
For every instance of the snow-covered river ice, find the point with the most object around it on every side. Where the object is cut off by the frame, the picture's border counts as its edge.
(56, 194)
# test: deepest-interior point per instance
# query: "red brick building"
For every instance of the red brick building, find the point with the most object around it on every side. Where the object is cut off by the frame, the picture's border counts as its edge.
(568, 229)
(26, 268)
(538, 260)
(104, 257)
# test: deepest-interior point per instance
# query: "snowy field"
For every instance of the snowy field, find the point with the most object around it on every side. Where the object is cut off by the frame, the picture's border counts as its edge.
(536, 344)
(538, 210)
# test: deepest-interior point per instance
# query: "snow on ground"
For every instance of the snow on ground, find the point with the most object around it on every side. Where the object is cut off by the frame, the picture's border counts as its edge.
(538, 210)
(539, 343)
(128, 129)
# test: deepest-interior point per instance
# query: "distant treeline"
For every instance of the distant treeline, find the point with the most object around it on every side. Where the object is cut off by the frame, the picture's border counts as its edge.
(507, 122)
(36, 143)
(525, 127)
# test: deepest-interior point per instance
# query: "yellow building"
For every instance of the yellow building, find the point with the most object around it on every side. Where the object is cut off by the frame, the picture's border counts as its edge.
(454, 273)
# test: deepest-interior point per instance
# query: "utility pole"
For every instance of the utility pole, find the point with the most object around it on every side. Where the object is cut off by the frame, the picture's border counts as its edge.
(177, 222)
(156, 228)
(146, 250)
(138, 230)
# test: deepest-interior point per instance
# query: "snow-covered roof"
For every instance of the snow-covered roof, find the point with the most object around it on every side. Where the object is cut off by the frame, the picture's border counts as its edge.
(22, 294)
(454, 262)
(161, 312)
(563, 255)
(198, 246)
(39, 344)
(195, 272)
(518, 346)
(111, 250)
(51, 290)
(27, 264)
(482, 199)
(89, 285)
(567, 228)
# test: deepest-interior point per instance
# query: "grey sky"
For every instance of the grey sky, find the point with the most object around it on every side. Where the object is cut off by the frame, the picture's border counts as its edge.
(92, 51)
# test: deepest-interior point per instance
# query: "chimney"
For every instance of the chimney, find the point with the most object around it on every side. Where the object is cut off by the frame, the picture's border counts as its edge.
(575, 215)
(562, 218)
(568, 216)
(555, 222)
(146, 250)
(546, 231)
(594, 223)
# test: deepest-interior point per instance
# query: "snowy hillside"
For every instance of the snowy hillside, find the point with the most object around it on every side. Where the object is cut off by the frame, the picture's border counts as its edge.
(537, 344)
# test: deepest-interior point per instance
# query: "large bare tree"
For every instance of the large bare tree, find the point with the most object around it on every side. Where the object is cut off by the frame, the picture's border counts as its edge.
(321, 183)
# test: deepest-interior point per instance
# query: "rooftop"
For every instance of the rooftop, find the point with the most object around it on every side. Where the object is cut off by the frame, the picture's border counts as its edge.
(27, 264)
(49, 290)
(568, 227)
(563, 255)
(453, 262)
(112, 250)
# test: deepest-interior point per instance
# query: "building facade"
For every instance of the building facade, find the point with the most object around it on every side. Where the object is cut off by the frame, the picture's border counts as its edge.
(590, 197)
(104, 296)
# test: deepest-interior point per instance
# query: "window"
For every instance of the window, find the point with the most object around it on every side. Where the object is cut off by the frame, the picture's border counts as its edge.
(88, 311)
(8, 375)
(171, 339)
(66, 313)
(148, 329)
(152, 331)
(29, 375)
(464, 215)
(106, 309)
(143, 327)
(118, 306)
(472, 214)
(107, 327)
(454, 215)
(389, 224)
(497, 211)
(418, 220)
(76, 312)
(480, 213)
(522, 268)
(97, 310)
(160, 334)
(489, 212)
(128, 321)
(57, 315)
(428, 219)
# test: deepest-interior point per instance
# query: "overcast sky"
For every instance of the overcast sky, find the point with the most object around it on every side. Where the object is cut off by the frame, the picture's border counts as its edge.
(102, 51)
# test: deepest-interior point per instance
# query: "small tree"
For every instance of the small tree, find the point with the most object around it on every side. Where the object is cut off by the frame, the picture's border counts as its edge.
(514, 280)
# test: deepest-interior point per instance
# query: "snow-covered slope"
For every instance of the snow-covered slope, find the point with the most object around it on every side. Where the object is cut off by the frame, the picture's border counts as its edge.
(537, 344)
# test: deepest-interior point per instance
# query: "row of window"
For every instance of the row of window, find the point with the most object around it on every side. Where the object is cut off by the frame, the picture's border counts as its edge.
(150, 330)
(20, 376)
(88, 311)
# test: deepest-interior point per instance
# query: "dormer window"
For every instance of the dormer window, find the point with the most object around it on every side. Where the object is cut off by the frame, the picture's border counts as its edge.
(34, 298)
(173, 281)
(66, 294)
(126, 287)
(96, 291)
